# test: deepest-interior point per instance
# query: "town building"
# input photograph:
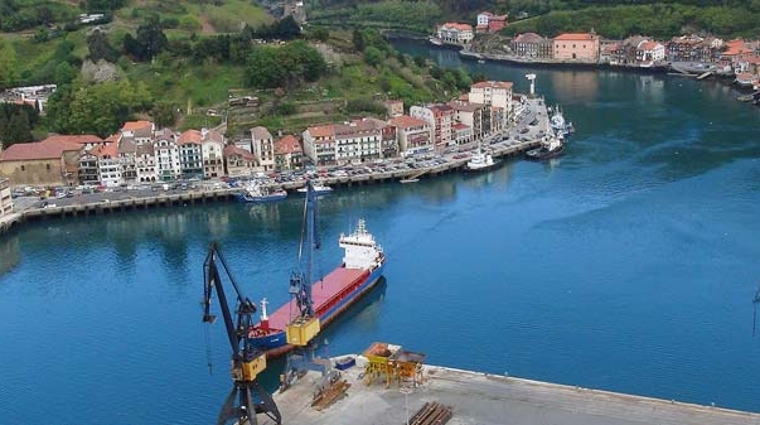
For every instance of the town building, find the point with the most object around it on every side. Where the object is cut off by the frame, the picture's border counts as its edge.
(34, 96)
(738, 55)
(462, 133)
(319, 144)
(127, 153)
(455, 33)
(240, 162)
(167, 157)
(394, 107)
(693, 48)
(6, 198)
(489, 22)
(88, 168)
(145, 163)
(109, 165)
(191, 154)
(244, 144)
(388, 137)
(577, 47)
(496, 94)
(476, 116)
(440, 118)
(139, 131)
(532, 45)
(649, 52)
(414, 135)
(356, 141)
(288, 153)
(212, 149)
(46, 163)
(263, 147)
(86, 141)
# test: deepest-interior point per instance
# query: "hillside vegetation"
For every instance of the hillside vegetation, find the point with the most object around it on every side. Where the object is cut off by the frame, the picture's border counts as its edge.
(611, 18)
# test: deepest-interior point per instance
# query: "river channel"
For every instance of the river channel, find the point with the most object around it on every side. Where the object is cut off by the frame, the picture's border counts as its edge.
(629, 264)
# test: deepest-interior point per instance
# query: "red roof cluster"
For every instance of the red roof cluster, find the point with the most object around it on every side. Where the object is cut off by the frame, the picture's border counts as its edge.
(287, 145)
(47, 149)
(232, 150)
(457, 26)
(405, 121)
(77, 139)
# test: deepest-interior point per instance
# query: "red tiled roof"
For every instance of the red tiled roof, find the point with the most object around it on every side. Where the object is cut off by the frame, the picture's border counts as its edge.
(136, 125)
(321, 130)
(493, 84)
(110, 149)
(458, 26)
(78, 139)
(575, 37)
(649, 45)
(232, 150)
(459, 126)
(736, 47)
(190, 136)
(496, 25)
(405, 121)
(38, 150)
(286, 145)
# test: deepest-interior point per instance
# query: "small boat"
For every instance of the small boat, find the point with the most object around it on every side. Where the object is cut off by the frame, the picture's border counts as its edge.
(257, 193)
(318, 189)
(435, 41)
(404, 181)
(559, 124)
(481, 61)
(481, 161)
(552, 146)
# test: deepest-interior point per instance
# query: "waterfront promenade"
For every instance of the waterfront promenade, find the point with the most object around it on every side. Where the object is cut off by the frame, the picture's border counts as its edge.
(478, 398)
(525, 134)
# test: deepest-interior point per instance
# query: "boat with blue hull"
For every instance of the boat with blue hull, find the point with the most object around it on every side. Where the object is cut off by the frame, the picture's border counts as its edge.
(258, 194)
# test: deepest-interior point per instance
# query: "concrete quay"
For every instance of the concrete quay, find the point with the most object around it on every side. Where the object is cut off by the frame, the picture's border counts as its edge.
(477, 398)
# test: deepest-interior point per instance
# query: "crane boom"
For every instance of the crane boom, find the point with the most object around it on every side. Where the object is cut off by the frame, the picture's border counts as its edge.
(247, 360)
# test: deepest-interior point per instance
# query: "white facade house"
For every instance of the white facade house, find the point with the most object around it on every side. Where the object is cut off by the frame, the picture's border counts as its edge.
(167, 158)
(212, 149)
(496, 94)
(319, 144)
(452, 32)
(145, 162)
(650, 51)
(414, 135)
(357, 142)
(109, 165)
(6, 200)
(140, 131)
(263, 147)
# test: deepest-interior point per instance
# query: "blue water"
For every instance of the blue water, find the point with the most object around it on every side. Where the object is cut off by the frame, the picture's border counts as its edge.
(629, 264)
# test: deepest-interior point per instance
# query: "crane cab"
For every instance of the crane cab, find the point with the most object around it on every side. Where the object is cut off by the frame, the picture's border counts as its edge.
(247, 371)
(302, 330)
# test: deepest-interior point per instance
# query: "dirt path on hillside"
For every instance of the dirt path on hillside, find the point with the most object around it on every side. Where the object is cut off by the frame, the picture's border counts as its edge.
(206, 27)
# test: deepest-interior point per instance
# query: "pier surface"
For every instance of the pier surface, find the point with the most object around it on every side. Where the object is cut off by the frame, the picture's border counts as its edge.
(477, 398)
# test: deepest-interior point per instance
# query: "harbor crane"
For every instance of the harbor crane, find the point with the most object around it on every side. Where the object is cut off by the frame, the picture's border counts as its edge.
(247, 360)
(302, 329)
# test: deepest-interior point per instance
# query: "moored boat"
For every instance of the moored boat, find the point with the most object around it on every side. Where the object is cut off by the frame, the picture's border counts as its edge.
(318, 188)
(551, 146)
(362, 266)
(481, 161)
(255, 192)
(405, 181)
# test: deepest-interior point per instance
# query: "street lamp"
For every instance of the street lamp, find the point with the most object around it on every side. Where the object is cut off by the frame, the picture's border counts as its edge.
(406, 391)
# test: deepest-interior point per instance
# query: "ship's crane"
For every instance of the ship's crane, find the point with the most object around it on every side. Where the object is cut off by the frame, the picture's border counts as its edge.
(247, 360)
(302, 329)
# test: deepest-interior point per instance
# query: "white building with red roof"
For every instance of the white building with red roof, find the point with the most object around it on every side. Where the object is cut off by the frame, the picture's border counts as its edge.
(288, 153)
(110, 169)
(166, 150)
(489, 22)
(212, 150)
(190, 145)
(263, 147)
(456, 33)
(495, 94)
(649, 52)
(414, 135)
(319, 144)
(141, 131)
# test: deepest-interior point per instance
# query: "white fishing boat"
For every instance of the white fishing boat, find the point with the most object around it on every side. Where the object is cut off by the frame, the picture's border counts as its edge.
(481, 161)
(319, 189)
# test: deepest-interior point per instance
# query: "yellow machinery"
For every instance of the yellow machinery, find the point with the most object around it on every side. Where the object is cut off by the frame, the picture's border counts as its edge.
(302, 330)
(393, 364)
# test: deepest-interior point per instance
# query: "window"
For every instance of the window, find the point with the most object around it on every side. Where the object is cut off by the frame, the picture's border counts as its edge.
(23, 168)
(48, 166)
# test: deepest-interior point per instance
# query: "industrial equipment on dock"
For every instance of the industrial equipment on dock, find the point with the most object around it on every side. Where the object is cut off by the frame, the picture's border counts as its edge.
(247, 360)
(393, 364)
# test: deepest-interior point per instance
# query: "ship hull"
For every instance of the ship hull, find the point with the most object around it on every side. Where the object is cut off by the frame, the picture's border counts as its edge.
(262, 199)
(275, 343)
(541, 154)
(482, 168)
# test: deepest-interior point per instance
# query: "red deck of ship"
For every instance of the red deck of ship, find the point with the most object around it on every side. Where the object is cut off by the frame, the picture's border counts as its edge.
(322, 293)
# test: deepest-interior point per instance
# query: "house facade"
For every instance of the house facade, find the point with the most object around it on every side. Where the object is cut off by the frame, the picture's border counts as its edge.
(46, 163)
(263, 147)
(167, 158)
(414, 135)
(440, 118)
(288, 154)
(239, 162)
(127, 154)
(356, 142)
(140, 131)
(88, 168)
(489, 22)
(462, 133)
(532, 45)
(319, 144)
(6, 199)
(145, 163)
(109, 165)
(578, 47)
(191, 154)
(496, 94)
(648, 52)
(474, 115)
(456, 33)
(212, 150)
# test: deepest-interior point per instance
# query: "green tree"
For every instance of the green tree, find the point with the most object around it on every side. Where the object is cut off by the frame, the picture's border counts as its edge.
(357, 38)
(373, 56)
(100, 47)
(152, 37)
(263, 70)
(164, 114)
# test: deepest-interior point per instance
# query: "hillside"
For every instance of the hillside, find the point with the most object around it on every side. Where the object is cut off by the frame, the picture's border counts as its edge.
(611, 18)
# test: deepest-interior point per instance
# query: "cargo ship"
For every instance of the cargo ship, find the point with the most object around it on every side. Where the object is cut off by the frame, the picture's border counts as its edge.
(362, 267)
